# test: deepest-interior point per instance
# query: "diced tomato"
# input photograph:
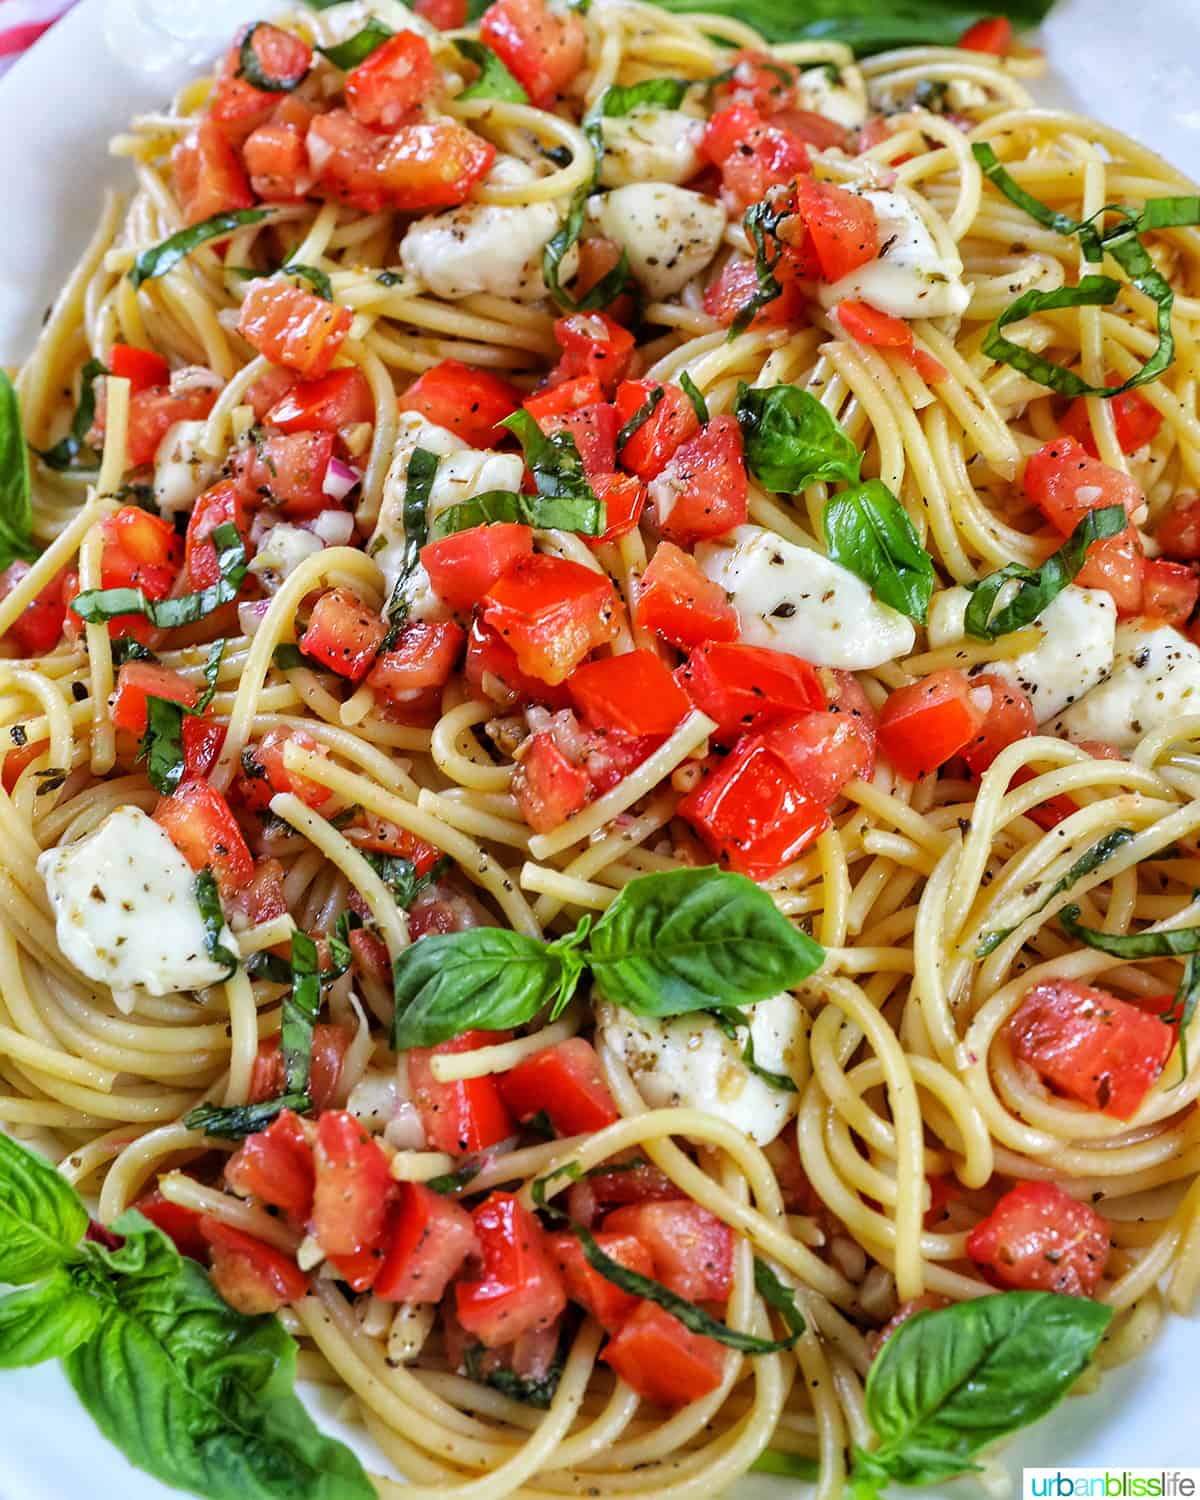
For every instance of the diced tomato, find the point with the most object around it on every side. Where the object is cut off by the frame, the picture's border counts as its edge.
(463, 566)
(353, 1186)
(141, 367)
(544, 48)
(37, 628)
(564, 1080)
(347, 158)
(1065, 482)
(329, 1046)
(384, 89)
(740, 686)
(462, 1117)
(520, 1289)
(1169, 591)
(1116, 565)
(276, 157)
(1040, 1239)
(942, 1192)
(144, 542)
(427, 1238)
(343, 634)
(923, 725)
(663, 1361)
(547, 786)
(725, 297)
(606, 1302)
(672, 423)
(208, 176)
(151, 412)
(252, 1277)
(563, 399)
(702, 491)
(370, 832)
(846, 696)
(1178, 532)
(752, 154)
(611, 755)
(680, 603)
(594, 431)
(593, 345)
(634, 692)
(263, 772)
(815, 130)
(759, 80)
(832, 232)
(180, 1225)
(1009, 717)
(598, 255)
(867, 325)
(433, 164)
(551, 612)
(424, 656)
(219, 506)
(199, 823)
(275, 1166)
(491, 669)
(624, 498)
(823, 751)
(1136, 421)
(753, 812)
(691, 1248)
(293, 327)
(467, 401)
(262, 901)
(203, 739)
(992, 34)
(237, 106)
(286, 472)
(139, 680)
(1089, 1045)
(269, 389)
(19, 759)
(446, 15)
(340, 399)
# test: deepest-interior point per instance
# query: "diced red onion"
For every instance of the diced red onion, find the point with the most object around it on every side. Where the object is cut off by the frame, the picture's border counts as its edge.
(194, 378)
(339, 479)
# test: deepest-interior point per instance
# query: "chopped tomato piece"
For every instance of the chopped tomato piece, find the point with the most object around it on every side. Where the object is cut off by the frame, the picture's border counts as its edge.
(680, 603)
(1117, 565)
(867, 325)
(275, 1166)
(1169, 591)
(691, 1248)
(594, 432)
(466, 401)
(180, 1225)
(561, 400)
(491, 669)
(737, 284)
(1065, 482)
(276, 157)
(543, 48)
(252, 1277)
(824, 751)
(547, 786)
(343, 634)
(427, 1239)
(1089, 1045)
(923, 725)
(815, 130)
(286, 472)
(740, 686)
(624, 498)
(340, 399)
(446, 15)
(384, 89)
(263, 772)
(833, 231)
(752, 154)
(269, 389)
(199, 823)
(992, 34)
(463, 566)
(634, 692)
(1009, 717)
(139, 680)
(329, 1046)
(702, 491)
(371, 832)
(424, 656)
(663, 1361)
(237, 106)
(595, 346)
(222, 505)
(520, 1289)
(353, 1186)
(462, 1117)
(262, 901)
(671, 424)
(433, 164)
(19, 759)
(564, 1080)
(140, 551)
(293, 327)
(203, 740)
(551, 612)
(141, 367)
(346, 157)
(1178, 532)
(759, 80)
(606, 1302)
(1135, 420)
(152, 411)
(208, 176)
(37, 628)
(1040, 1239)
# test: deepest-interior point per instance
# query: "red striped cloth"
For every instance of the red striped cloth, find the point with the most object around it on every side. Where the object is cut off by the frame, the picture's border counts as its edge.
(22, 22)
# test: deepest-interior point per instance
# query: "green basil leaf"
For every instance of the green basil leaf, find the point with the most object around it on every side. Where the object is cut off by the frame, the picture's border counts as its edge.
(949, 1382)
(614, 282)
(694, 394)
(125, 648)
(651, 93)
(234, 1122)
(690, 940)
(211, 914)
(792, 1465)
(45, 1322)
(1037, 587)
(358, 48)
(538, 1393)
(42, 1217)
(287, 656)
(868, 531)
(557, 470)
(315, 277)
(449, 1183)
(106, 604)
(299, 1014)
(16, 505)
(760, 220)
(494, 81)
(401, 878)
(1173, 943)
(160, 258)
(252, 71)
(780, 1081)
(778, 1295)
(640, 417)
(574, 513)
(387, 278)
(66, 452)
(418, 482)
(161, 746)
(269, 966)
(791, 440)
(1183, 1008)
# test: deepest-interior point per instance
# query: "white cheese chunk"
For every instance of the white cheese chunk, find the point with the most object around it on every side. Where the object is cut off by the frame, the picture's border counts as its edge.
(487, 247)
(1155, 680)
(1075, 653)
(688, 1062)
(125, 908)
(281, 552)
(909, 279)
(797, 600)
(669, 232)
(181, 471)
(838, 93)
(650, 145)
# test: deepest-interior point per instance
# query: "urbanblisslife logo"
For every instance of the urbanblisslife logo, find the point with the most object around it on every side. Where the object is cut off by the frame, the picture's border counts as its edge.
(1110, 1484)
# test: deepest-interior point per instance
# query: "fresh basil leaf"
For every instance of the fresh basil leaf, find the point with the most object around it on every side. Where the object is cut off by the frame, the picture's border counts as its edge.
(66, 453)
(269, 966)
(450, 1183)
(160, 258)
(640, 417)
(316, 278)
(125, 648)
(299, 1014)
(868, 531)
(1037, 587)
(538, 1393)
(357, 48)
(418, 482)
(651, 93)
(401, 878)
(557, 469)
(494, 81)
(106, 604)
(541, 512)
(45, 1322)
(339, 943)
(42, 1217)
(792, 1465)
(249, 67)
(287, 656)
(387, 278)
(689, 940)
(614, 282)
(947, 1383)
(791, 440)
(760, 220)
(694, 394)
(161, 746)
(1173, 943)
(1183, 1008)
(234, 1122)
(16, 505)
(776, 1294)
(209, 902)
(780, 1081)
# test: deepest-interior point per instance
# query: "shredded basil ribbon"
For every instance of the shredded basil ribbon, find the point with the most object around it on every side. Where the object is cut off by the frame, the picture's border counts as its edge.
(233, 1122)
(65, 453)
(494, 81)
(95, 605)
(1183, 1008)
(299, 1014)
(401, 878)
(640, 417)
(161, 746)
(315, 277)
(16, 504)
(287, 656)
(418, 482)
(205, 890)
(694, 394)
(160, 258)
(1175, 942)
(1037, 587)
(543, 514)
(251, 69)
(558, 472)
(759, 221)
(357, 48)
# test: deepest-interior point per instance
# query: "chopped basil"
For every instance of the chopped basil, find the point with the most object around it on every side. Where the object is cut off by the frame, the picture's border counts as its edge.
(1037, 587)
(1183, 1008)
(269, 966)
(759, 221)
(791, 440)
(640, 417)
(449, 1183)
(299, 1014)
(160, 258)
(401, 878)
(538, 1393)
(358, 48)
(16, 505)
(574, 514)
(778, 1295)
(1130, 945)
(251, 69)
(161, 746)
(651, 93)
(65, 454)
(694, 394)
(233, 1122)
(387, 278)
(868, 531)
(315, 277)
(612, 283)
(213, 917)
(494, 81)
(418, 482)
(557, 469)
(781, 1081)
(95, 605)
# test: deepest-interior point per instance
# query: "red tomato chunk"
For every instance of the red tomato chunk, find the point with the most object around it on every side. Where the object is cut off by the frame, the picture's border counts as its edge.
(551, 612)
(343, 634)
(664, 1361)
(428, 1238)
(565, 1081)
(606, 1302)
(691, 1248)
(922, 726)
(276, 1167)
(353, 1186)
(1040, 1239)
(463, 1117)
(635, 693)
(520, 1290)
(251, 1276)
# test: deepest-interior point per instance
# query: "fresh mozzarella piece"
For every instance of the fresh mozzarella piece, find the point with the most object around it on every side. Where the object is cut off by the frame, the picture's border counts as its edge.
(473, 472)
(1075, 653)
(281, 552)
(374, 1098)
(793, 599)
(909, 279)
(670, 233)
(1155, 680)
(838, 93)
(487, 247)
(125, 908)
(181, 471)
(650, 145)
(689, 1062)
